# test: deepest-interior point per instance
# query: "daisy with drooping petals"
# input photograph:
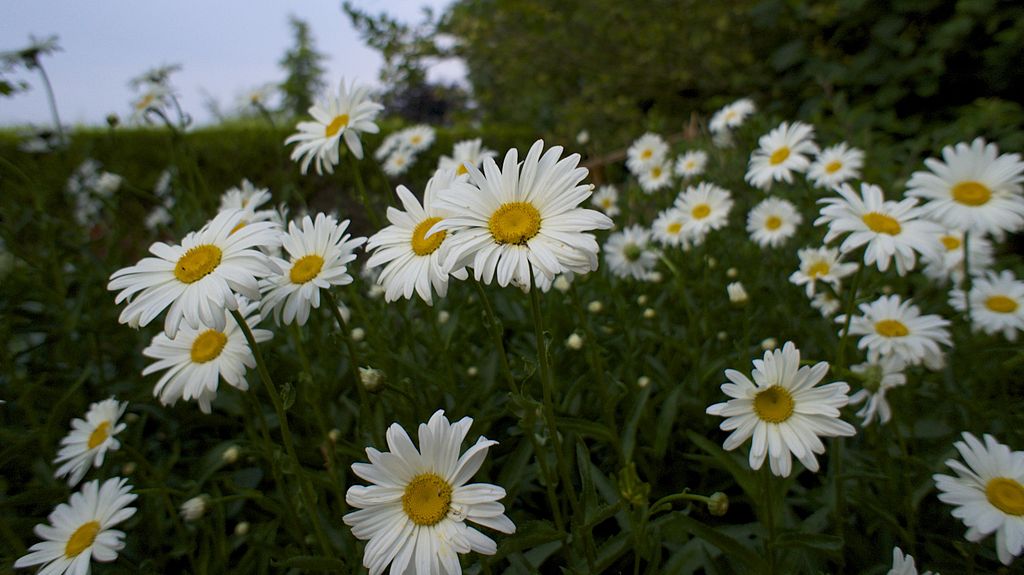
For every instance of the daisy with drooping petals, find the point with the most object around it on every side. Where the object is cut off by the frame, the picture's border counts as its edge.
(414, 261)
(197, 359)
(416, 512)
(628, 253)
(947, 261)
(878, 378)
(656, 176)
(197, 278)
(90, 439)
(466, 153)
(987, 493)
(521, 216)
(339, 117)
(773, 221)
(156, 97)
(893, 231)
(668, 228)
(731, 116)
(782, 410)
(903, 564)
(606, 198)
(974, 188)
(319, 253)
(781, 152)
(997, 304)
(835, 165)
(705, 207)
(81, 530)
(891, 326)
(820, 264)
(691, 163)
(646, 151)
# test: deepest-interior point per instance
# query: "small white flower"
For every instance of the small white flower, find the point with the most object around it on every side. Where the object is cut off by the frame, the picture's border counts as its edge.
(466, 153)
(628, 253)
(646, 151)
(705, 207)
(731, 116)
(336, 118)
(997, 304)
(691, 163)
(947, 260)
(781, 152)
(820, 264)
(773, 221)
(194, 508)
(668, 228)
(606, 199)
(656, 176)
(89, 440)
(878, 378)
(891, 326)
(835, 165)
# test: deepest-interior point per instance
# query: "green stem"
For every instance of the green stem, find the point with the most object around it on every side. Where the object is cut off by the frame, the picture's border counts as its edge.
(286, 435)
(370, 210)
(850, 302)
(683, 496)
(768, 505)
(353, 354)
(495, 328)
(53, 102)
(968, 284)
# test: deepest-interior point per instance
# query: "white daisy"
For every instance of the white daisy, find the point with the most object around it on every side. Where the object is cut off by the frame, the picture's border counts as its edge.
(466, 153)
(647, 150)
(522, 215)
(773, 221)
(81, 530)
(414, 261)
(656, 176)
(781, 152)
(391, 141)
(197, 359)
(987, 493)
(826, 303)
(606, 198)
(903, 564)
(339, 117)
(947, 260)
(835, 165)
(691, 163)
(705, 207)
(628, 253)
(890, 326)
(249, 198)
(417, 138)
(398, 162)
(90, 439)
(893, 231)
(319, 253)
(820, 264)
(997, 304)
(878, 378)
(731, 116)
(782, 410)
(668, 228)
(196, 279)
(416, 512)
(973, 189)
(155, 97)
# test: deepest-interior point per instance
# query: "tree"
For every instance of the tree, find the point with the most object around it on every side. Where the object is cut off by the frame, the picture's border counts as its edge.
(305, 72)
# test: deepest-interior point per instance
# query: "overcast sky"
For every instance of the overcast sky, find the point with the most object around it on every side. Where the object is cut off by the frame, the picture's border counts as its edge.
(225, 47)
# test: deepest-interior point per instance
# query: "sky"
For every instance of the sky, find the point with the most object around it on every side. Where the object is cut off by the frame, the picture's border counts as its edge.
(225, 47)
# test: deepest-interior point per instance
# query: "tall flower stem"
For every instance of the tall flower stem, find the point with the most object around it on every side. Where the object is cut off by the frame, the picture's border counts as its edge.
(968, 283)
(53, 102)
(286, 435)
(495, 328)
(850, 302)
(769, 519)
(353, 354)
(370, 210)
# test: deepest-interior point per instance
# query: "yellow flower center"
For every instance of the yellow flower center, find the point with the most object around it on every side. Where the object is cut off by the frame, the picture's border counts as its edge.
(514, 223)
(881, 223)
(972, 193)
(891, 328)
(1001, 304)
(632, 252)
(779, 156)
(731, 114)
(197, 263)
(336, 125)
(833, 166)
(427, 499)
(416, 139)
(606, 203)
(951, 243)
(145, 102)
(99, 435)
(818, 269)
(81, 539)
(241, 224)
(462, 169)
(689, 165)
(1006, 495)
(701, 211)
(306, 268)
(674, 228)
(423, 245)
(208, 346)
(774, 404)
(646, 154)
(656, 172)
(773, 222)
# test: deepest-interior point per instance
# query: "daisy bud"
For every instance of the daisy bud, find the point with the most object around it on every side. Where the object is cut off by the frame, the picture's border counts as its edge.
(583, 137)
(372, 379)
(718, 504)
(641, 300)
(194, 508)
(574, 342)
(128, 468)
(595, 306)
(654, 277)
(242, 528)
(358, 334)
(731, 273)
(562, 283)
(443, 317)
(472, 371)
(649, 313)
(737, 295)
(643, 381)
(769, 343)
(230, 454)
(334, 435)
(722, 336)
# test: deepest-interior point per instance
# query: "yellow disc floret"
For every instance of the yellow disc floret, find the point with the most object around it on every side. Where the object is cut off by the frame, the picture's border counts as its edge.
(700, 211)
(773, 222)
(972, 193)
(833, 167)
(81, 539)
(208, 346)
(1001, 304)
(514, 223)
(818, 269)
(951, 243)
(197, 263)
(882, 224)
(423, 245)
(774, 404)
(779, 156)
(306, 268)
(427, 499)
(891, 328)
(336, 125)
(99, 435)
(1006, 495)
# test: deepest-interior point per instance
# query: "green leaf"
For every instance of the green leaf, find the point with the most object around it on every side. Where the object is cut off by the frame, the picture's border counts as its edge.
(744, 476)
(629, 432)
(830, 544)
(733, 549)
(528, 535)
(586, 428)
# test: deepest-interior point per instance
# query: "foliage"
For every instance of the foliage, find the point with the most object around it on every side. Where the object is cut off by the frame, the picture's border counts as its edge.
(305, 70)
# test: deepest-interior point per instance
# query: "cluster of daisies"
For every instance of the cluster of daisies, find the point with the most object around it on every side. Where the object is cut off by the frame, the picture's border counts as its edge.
(91, 187)
(397, 153)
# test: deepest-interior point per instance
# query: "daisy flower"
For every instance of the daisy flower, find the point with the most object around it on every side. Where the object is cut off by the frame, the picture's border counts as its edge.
(154, 98)
(90, 439)
(656, 176)
(946, 262)
(835, 165)
(974, 188)
(731, 116)
(606, 198)
(781, 152)
(197, 359)
(820, 264)
(668, 228)
(390, 142)
(339, 117)
(248, 198)
(196, 279)
(80, 530)
(319, 253)
(398, 162)
(705, 207)
(628, 253)
(890, 326)
(987, 493)
(997, 304)
(878, 378)
(466, 153)
(413, 260)
(772, 222)
(826, 303)
(417, 138)
(782, 410)
(903, 564)
(416, 512)
(521, 216)
(647, 150)
(691, 163)
(893, 231)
